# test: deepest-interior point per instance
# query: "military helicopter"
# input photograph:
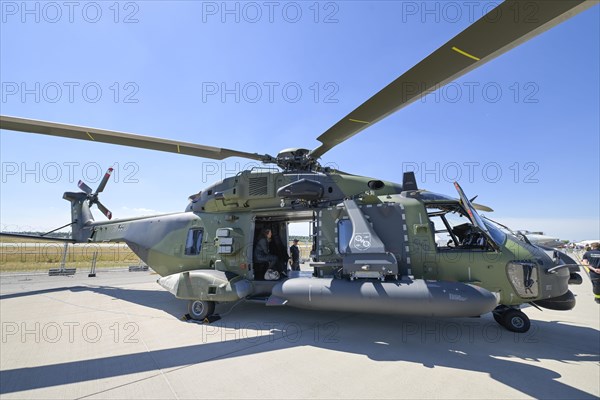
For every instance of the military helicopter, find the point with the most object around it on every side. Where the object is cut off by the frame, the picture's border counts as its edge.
(374, 244)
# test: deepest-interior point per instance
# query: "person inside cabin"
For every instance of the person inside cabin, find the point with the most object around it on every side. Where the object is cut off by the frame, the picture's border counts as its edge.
(263, 254)
(278, 249)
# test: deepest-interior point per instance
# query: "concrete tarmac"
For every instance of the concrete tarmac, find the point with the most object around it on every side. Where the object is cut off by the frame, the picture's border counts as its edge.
(120, 335)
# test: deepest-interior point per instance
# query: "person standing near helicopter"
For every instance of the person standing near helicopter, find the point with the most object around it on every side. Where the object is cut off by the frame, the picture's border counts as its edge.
(295, 256)
(591, 259)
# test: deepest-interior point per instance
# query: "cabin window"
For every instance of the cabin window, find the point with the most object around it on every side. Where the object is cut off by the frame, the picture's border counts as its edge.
(344, 234)
(193, 244)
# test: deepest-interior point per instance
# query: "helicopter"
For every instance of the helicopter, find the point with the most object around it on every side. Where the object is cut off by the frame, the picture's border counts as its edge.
(374, 245)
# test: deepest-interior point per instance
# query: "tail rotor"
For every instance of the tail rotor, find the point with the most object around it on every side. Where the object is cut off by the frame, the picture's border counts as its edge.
(92, 197)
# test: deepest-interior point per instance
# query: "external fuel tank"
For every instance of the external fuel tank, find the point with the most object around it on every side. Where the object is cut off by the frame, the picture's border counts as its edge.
(415, 297)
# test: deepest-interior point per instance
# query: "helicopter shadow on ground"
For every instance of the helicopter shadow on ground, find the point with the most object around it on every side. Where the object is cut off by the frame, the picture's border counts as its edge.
(483, 346)
(157, 299)
(468, 344)
(475, 345)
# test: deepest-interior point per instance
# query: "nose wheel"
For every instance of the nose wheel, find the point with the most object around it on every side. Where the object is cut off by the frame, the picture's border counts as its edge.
(512, 319)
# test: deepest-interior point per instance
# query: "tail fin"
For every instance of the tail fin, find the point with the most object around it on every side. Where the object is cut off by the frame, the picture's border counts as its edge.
(81, 216)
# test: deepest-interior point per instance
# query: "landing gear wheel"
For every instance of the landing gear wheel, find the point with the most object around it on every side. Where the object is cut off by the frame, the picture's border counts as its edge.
(498, 314)
(515, 321)
(200, 309)
(499, 317)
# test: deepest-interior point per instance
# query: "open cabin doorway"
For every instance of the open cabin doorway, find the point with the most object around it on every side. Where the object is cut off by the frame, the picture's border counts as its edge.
(284, 228)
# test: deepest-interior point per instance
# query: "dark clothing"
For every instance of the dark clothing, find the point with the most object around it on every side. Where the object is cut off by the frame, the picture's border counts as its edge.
(593, 258)
(262, 254)
(295, 253)
(261, 251)
(595, 278)
(277, 248)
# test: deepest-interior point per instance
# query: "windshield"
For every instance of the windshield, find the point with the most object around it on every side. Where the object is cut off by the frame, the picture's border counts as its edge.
(474, 216)
(497, 234)
(505, 230)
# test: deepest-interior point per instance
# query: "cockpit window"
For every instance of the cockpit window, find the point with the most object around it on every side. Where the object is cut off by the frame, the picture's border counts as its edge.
(453, 229)
(344, 235)
(193, 243)
(475, 217)
(497, 234)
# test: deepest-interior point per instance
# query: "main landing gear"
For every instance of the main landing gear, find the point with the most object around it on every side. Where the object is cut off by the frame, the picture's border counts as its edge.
(200, 309)
(512, 319)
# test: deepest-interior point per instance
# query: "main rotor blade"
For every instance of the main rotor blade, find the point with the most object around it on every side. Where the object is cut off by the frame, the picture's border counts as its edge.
(123, 139)
(482, 207)
(104, 210)
(104, 180)
(84, 187)
(495, 33)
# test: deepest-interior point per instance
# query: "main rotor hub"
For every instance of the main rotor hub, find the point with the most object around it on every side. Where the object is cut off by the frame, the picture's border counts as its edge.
(295, 159)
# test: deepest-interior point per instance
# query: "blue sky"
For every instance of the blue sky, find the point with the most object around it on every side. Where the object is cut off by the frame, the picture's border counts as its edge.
(521, 132)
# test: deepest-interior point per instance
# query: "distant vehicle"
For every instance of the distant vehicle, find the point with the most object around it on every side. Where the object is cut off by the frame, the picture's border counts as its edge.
(543, 240)
(584, 243)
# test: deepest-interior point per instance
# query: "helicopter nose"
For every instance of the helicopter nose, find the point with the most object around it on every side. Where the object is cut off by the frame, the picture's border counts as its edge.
(564, 302)
(554, 282)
